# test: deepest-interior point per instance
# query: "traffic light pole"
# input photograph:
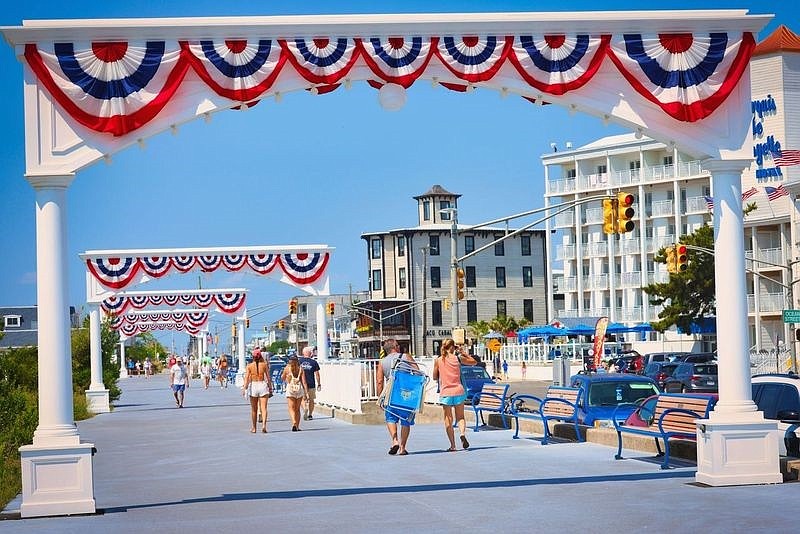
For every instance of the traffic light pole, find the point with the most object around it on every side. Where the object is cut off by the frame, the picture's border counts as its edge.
(454, 268)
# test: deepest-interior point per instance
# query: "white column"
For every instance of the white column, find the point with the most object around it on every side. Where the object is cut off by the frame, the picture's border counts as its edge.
(735, 445)
(97, 394)
(322, 331)
(57, 467)
(123, 367)
(242, 361)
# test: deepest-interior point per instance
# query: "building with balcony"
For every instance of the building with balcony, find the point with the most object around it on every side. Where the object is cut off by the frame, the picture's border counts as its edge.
(410, 276)
(604, 275)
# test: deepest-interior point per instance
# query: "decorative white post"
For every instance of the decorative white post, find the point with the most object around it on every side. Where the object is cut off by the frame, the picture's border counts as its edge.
(322, 331)
(735, 445)
(57, 467)
(123, 367)
(97, 394)
(242, 361)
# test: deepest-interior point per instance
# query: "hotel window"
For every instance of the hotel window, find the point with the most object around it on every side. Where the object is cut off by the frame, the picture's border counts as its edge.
(443, 205)
(436, 277)
(433, 241)
(500, 276)
(376, 280)
(501, 308)
(499, 248)
(401, 277)
(376, 248)
(472, 311)
(401, 245)
(12, 321)
(571, 173)
(436, 313)
(527, 309)
(469, 276)
(469, 244)
(426, 210)
(525, 244)
(527, 276)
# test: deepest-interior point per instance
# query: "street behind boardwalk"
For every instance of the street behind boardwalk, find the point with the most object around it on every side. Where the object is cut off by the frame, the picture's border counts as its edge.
(199, 468)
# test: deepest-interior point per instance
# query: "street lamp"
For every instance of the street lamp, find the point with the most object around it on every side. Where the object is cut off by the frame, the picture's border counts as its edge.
(453, 212)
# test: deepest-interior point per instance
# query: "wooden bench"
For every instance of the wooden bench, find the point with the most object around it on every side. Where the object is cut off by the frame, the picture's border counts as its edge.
(560, 404)
(673, 416)
(491, 398)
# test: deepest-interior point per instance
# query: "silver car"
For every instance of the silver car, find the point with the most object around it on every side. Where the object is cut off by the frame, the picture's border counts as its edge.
(691, 377)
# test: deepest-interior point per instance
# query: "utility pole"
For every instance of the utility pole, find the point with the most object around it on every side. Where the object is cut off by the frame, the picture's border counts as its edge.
(425, 250)
(453, 212)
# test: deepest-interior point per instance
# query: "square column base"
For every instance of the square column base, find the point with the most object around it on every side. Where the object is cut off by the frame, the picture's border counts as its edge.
(57, 480)
(733, 452)
(123, 373)
(97, 399)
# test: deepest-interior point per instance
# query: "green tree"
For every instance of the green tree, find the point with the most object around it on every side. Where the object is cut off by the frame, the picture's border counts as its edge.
(689, 295)
(81, 359)
(279, 346)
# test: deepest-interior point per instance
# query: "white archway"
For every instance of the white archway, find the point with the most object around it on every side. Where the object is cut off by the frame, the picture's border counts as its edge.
(679, 77)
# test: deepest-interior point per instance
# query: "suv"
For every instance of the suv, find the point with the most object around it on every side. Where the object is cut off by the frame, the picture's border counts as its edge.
(660, 371)
(698, 357)
(473, 377)
(691, 377)
(664, 357)
(778, 397)
(602, 393)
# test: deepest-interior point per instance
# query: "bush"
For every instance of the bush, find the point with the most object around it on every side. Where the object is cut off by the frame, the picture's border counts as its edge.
(18, 419)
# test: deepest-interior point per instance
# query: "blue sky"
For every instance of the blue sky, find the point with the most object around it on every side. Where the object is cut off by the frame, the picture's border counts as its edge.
(311, 169)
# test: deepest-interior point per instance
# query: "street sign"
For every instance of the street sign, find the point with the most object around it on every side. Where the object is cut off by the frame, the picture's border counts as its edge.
(493, 345)
(791, 316)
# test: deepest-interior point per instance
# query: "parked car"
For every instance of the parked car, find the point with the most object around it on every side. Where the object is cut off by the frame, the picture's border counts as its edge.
(698, 357)
(602, 393)
(667, 357)
(630, 362)
(778, 397)
(474, 377)
(690, 377)
(660, 371)
(644, 413)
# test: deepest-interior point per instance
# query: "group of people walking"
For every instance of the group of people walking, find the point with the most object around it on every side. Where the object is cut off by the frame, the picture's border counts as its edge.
(301, 379)
(452, 392)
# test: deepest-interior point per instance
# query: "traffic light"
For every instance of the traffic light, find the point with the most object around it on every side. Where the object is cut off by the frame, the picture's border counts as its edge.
(293, 306)
(233, 330)
(281, 325)
(331, 308)
(625, 212)
(670, 255)
(266, 329)
(446, 304)
(247, 323)
(460, 283)
(610, 215)
(681, 258)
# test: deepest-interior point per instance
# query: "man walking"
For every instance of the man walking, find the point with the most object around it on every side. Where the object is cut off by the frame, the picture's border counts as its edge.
(178, 378)
(392, 350)
(310, 368)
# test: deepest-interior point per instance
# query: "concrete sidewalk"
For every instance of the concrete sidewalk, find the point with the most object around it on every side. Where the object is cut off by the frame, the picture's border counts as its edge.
(199, 469)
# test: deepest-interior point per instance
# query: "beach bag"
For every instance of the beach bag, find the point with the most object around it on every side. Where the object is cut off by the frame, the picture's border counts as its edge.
(294, 388)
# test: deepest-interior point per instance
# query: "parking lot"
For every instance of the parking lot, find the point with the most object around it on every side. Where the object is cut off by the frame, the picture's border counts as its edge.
(199, 468)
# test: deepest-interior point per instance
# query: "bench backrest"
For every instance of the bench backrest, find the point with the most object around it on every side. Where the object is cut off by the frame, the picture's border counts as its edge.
(679, 421)
(559, 408)
(490, 401)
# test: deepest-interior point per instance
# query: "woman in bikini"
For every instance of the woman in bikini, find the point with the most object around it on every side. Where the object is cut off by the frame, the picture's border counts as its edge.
(293, 376)
(447, 370)
(258, 385)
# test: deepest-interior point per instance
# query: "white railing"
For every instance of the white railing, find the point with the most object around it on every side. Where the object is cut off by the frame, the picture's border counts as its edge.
(563, 220)
(772, 255)
(568, 283)
(593, 181)
(662, 208)
(659, 172)
(568, 313)
(562, 186)
(768, 302)
(565, 252)
(597, 248)
(695, 204)
(658, 242)
(629, 245)
(691, 168)
(627, 177)
(593, 216)
(630, 279)
(657, 277)
(770, 361)
(630, 315)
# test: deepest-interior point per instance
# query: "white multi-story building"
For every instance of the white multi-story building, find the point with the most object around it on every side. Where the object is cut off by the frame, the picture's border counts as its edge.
(410, 277)
(604, 275)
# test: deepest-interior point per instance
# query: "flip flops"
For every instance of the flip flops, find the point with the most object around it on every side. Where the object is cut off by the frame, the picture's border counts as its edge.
(464, 442)
(394, 449)
(404, 453)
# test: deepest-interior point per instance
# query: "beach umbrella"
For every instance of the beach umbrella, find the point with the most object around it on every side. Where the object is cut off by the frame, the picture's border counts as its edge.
(494, 335)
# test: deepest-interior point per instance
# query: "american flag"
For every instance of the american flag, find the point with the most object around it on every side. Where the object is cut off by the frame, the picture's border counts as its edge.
(786, 158)
(776, 192)
(749, 193)
(709, 203)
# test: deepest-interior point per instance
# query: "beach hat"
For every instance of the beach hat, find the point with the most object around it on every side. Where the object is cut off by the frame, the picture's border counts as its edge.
(293, 356)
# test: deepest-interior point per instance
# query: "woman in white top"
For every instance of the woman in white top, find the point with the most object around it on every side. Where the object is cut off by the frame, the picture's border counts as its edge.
(258, 384)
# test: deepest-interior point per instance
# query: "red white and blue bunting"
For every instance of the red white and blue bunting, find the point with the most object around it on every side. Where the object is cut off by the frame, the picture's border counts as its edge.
(131, 330)
(196, 318)
(117, 87)
(226, 302)
(687, 75)
(303, 268)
